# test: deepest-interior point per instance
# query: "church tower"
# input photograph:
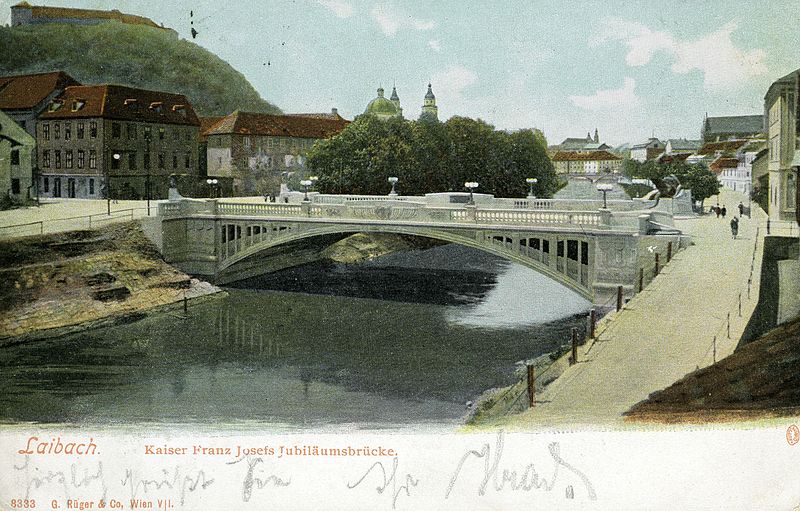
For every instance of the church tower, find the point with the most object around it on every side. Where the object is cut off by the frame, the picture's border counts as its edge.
(429, 109)
(596, 136)
(396, 100)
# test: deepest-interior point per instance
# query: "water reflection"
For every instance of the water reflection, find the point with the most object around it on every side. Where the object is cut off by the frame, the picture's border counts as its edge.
(300, 359)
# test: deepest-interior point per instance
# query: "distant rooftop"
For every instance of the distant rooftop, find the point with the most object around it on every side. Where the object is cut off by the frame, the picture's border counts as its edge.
(300, 126)
(733, 125)
(24, 92)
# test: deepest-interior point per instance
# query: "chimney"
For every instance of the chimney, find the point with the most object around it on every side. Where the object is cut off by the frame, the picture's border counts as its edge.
(335, 112)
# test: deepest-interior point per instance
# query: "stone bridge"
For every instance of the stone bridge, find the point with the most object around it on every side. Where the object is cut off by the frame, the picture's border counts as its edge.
(583, 245)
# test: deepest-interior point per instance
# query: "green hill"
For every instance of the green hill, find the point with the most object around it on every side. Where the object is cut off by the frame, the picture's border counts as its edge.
(131, 55)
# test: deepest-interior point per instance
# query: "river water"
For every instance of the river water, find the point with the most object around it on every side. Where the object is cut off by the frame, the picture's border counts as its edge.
(408, 338)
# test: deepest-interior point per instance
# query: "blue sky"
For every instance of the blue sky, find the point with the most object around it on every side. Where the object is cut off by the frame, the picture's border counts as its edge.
(631, 69)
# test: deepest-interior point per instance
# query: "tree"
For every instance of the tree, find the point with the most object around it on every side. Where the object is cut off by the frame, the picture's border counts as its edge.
(432, 157)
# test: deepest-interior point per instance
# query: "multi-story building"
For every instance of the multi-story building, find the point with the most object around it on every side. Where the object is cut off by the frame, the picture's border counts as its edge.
(258, 150)
(593, 162)
(781, 110)
(718, 129)
(24, 97)
(649, 150)
(17, 151)
(113, 141)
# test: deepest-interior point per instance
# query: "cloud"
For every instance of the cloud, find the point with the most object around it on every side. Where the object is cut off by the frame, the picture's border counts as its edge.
(612, 99)
(435, 45)
(715, 55)
(391, 20)
(341, 8)
(452, 81)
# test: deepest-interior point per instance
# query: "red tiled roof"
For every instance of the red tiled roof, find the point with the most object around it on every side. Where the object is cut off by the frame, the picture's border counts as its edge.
(42, 11)
(728, 145)
(247, 123)
(589, 156)
(125, 103)
(207, 123)
(24, 92)
(722, 163)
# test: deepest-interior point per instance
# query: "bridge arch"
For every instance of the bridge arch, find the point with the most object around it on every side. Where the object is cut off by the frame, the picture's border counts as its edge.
(548, 255)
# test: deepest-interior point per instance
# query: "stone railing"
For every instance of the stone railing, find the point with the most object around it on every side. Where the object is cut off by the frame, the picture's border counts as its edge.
(411, 212)
(487, 202)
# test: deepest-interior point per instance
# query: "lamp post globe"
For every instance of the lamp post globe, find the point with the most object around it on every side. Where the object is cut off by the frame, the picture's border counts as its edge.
(471, 185)
(306, 183)
(604, 188)
(531, 181)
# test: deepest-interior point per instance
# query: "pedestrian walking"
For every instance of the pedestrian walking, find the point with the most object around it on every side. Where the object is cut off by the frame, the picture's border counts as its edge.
(723, 211)
(741, 209)
(735, 226)
(717, 210)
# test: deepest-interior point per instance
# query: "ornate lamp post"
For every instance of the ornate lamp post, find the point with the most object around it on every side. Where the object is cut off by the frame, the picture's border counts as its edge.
(213, 184)
(471, 185)
(604, 188)
(306, 183)
(531, 181)
(393, 180)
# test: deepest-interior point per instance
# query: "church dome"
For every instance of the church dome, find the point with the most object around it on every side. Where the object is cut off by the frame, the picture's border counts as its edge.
(430, 95)
(382, 107)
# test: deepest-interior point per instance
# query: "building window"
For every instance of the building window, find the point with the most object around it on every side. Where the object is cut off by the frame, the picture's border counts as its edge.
(15, 157)
(188, 160)
(56, 131)
(47, 185)
(147, 161)
(147, 133)
(115, 158)
(116, 130)
(80, 131)
(131, 131)
(93, 129)
(91, 186)
(67, 131)
(58, 159)
(247, 142)
(161, 133)
(174, 161)
(175, 133)
(81, 158)
(15, 186)
(132, 161)
(161, 161)
(188, 134)
(92, 159)
(46, 131)
(68, 159)
(46, 158)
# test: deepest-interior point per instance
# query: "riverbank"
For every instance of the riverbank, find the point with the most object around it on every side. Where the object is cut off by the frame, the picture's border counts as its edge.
(60, 283)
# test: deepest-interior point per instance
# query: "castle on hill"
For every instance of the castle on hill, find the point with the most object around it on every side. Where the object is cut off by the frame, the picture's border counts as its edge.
(26, 14)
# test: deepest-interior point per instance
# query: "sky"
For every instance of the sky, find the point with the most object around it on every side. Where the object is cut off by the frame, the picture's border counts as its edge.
(631, 69)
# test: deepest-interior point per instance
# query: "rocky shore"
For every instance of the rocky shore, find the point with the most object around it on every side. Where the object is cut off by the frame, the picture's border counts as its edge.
(56, 284)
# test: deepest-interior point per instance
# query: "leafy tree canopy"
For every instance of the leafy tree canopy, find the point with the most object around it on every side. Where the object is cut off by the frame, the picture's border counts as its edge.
(430, 157)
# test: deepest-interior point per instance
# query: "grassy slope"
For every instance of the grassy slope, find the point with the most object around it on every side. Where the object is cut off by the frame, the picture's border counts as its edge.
(130, 55)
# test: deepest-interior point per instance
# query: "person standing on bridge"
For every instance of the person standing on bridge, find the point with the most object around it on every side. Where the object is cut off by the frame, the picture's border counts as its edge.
(734, 226)
(723, 211)
(741, 209)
